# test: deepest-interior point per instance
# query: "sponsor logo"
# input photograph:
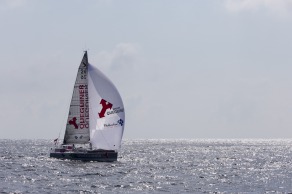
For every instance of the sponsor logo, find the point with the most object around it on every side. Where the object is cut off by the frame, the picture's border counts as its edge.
(84, 107)
(121, 122)
(105, 105)
(108, 108)
(115, 111)
(73, 122)
(111, 125)
(118, 123)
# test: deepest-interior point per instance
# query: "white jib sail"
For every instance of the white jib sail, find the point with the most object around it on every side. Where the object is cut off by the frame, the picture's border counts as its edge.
(106, 111)
(77, 128)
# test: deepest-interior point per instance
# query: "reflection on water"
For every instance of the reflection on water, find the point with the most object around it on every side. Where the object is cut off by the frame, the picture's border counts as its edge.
(178, 166)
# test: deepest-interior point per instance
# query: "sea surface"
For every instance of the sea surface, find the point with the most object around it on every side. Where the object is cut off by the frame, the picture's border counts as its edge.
(152, 166)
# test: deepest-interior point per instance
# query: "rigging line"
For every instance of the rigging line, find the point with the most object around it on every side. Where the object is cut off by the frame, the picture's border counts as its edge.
(63, 121)
(65, 116)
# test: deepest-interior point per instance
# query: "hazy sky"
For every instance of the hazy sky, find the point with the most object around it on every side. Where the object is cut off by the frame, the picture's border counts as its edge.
(184, 68)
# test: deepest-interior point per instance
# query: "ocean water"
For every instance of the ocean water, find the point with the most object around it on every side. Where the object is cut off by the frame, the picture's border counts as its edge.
(152, 166)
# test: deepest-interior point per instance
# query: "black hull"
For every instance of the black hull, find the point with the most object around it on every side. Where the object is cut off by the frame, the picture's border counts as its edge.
(99, 156)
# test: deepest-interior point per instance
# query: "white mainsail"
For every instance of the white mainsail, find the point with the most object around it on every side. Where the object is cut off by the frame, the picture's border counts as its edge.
(106, 111)
(77, 128)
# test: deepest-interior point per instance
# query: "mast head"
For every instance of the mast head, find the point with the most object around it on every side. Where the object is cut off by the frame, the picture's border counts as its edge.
(85, 56)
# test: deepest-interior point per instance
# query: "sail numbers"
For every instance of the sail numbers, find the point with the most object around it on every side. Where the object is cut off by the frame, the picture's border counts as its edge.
(83, 73)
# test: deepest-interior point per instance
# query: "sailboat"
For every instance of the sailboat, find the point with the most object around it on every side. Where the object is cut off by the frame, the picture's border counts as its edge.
(96, 119)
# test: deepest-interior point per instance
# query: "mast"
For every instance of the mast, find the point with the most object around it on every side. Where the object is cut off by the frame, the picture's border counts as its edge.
(85, 57)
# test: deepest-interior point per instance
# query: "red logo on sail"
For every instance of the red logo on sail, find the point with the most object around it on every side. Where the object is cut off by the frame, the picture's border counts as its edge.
(105, 105)
(73, 122)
